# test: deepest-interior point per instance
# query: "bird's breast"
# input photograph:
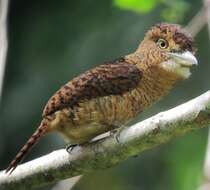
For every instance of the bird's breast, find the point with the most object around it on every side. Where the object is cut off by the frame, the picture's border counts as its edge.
(93, 117)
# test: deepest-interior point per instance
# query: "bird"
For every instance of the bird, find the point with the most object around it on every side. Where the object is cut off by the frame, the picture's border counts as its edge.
(112, 94)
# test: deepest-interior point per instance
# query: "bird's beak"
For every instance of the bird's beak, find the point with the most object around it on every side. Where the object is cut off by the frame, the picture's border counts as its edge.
(186, 59)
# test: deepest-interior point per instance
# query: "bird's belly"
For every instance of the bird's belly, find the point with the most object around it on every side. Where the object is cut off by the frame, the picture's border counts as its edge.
(97, 116)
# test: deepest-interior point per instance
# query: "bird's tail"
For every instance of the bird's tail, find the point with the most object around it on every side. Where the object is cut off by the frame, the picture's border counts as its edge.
(41, 131)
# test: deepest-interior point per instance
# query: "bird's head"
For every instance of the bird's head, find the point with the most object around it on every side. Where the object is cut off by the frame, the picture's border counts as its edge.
(170, 47)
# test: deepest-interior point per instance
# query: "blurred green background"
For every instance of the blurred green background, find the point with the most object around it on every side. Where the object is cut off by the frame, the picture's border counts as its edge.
(52, 41)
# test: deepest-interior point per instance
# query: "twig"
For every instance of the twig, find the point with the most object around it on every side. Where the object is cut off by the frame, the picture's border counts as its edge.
(3, 40)
(197, 23)
(206, 183)
(112, 150)
(207, 13)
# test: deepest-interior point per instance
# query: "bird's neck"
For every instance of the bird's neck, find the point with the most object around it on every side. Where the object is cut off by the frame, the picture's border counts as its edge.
(155, 83)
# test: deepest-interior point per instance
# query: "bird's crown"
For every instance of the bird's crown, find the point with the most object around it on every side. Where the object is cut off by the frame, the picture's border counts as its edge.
(172, 32)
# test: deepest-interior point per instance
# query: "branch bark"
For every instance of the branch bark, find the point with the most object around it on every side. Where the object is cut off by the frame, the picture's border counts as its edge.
(111, 150)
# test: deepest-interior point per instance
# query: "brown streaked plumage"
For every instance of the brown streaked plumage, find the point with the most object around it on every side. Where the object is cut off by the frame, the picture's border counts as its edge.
(104, 80)
(112, 94)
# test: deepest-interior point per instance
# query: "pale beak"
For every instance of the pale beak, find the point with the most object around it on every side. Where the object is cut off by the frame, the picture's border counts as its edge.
(186, 59)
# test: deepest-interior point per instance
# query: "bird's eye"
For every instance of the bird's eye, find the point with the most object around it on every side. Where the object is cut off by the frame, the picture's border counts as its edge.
(163, 44)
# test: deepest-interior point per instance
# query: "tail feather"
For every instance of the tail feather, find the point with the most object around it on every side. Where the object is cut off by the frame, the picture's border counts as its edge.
(41, 131)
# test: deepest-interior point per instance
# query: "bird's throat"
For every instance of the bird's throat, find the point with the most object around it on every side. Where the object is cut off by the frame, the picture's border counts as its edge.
(155, 83)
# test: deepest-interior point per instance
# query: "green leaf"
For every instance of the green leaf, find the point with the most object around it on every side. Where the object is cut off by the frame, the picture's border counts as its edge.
(142, 6)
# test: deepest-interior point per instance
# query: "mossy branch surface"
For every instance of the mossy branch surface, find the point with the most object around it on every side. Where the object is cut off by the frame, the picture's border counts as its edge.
(112, 150)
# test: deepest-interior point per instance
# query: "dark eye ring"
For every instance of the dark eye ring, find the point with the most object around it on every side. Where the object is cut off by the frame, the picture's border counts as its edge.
(163, 44)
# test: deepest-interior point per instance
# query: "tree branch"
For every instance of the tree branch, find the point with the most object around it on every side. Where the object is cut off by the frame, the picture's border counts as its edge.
(112, 150)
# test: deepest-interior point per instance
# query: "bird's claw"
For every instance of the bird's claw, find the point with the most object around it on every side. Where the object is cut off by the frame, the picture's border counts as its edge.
(70, 147)
(115, 133)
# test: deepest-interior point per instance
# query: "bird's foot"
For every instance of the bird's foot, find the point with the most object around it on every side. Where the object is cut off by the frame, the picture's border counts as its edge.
(70, 147)
(115, 133)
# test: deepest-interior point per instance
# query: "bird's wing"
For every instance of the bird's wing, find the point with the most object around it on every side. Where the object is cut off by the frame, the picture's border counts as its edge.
(112, 78)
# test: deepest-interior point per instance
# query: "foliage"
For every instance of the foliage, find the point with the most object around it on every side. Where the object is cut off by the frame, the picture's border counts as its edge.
(141, 6)
(173, 11)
